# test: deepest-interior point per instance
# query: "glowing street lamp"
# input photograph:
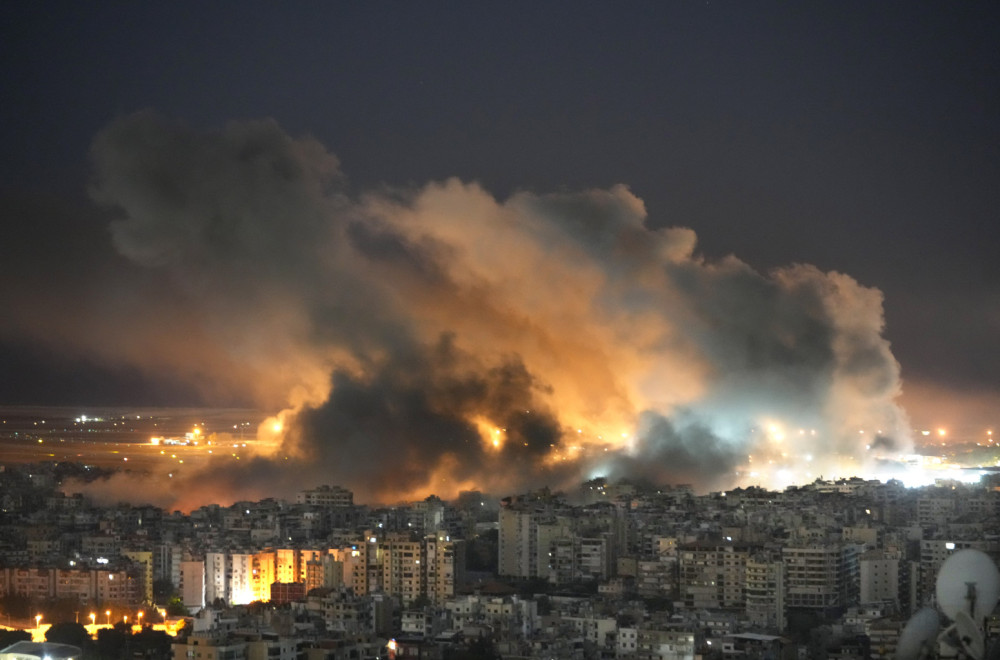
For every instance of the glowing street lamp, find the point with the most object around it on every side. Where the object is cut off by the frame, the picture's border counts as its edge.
(93, 618)
(38, 620)
(108, 614)
(139, 616)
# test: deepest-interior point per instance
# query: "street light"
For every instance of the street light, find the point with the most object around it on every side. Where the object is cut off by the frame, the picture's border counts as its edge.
(139, 616)
(93, 619)
(108, 614)
(38, 620)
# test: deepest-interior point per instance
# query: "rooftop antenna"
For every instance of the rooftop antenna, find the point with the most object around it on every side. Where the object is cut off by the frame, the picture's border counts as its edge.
(967, 590)
(968, 587)
(919, 635)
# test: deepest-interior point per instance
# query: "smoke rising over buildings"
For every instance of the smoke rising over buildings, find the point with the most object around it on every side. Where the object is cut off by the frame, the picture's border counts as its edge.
(437, 338)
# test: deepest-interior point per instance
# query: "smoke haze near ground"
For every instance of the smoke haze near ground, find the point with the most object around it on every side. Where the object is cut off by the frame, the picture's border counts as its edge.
(437, 339)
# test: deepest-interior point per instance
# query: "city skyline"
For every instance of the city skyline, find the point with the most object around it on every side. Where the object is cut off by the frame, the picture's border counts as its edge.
(522, 246)
(860, 559)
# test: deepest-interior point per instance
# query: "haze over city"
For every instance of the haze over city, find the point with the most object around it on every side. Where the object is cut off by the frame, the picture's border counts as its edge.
(444, 249)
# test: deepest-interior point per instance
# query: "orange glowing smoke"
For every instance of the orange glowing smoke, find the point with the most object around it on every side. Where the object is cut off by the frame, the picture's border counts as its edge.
(399, 331)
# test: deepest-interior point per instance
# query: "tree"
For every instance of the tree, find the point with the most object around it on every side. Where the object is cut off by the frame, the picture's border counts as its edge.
(9, 637)
(801, 624)
(163, 590)
(67, 632)
(481, 648)
(658, 604)
(17, 606)
(626, 620)
(420, 602)
(482, 551)
(175, 607)
(152, 643)
(111, 642)
(153, 616)
(63, 609)
(535, 585)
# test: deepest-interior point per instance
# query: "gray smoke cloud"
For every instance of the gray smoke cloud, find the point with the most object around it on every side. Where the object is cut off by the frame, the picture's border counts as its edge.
(436, 338)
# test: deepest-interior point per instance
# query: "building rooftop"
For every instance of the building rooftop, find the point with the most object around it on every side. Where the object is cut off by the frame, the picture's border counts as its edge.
(24, 650)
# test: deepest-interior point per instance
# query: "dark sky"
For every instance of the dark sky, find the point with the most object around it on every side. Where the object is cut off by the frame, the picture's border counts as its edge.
(859, 137)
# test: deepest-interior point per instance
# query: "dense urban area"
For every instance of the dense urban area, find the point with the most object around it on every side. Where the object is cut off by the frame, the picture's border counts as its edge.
(623, 571)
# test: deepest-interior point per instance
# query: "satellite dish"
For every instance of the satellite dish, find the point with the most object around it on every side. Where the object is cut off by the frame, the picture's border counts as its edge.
(969, 634)
(968, 582)
(919, 635)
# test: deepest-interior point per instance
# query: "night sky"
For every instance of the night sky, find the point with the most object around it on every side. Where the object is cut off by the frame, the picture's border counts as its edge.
(857, 138)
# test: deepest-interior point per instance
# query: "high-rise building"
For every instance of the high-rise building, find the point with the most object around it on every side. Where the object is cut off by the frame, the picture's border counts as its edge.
(821, 576)
(117, 585)
(217, 577)
(712, 575)
(192, 585)
(402, 573)
(143, 559)
(444, 566)
(263, 574)
(413, 566)
(326, 496)
(286, 565)
(241, 583)
(573, 558)
(527, 532)
(765, 592)
(167, 559)
(878, 577)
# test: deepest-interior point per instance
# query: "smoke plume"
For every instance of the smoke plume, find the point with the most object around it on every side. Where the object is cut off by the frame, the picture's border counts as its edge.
(437, 338)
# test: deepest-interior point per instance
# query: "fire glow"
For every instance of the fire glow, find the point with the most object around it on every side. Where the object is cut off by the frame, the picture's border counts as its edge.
(437, 338)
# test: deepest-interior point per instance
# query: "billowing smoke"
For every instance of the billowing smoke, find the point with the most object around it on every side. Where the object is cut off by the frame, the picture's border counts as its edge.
(438, 339)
